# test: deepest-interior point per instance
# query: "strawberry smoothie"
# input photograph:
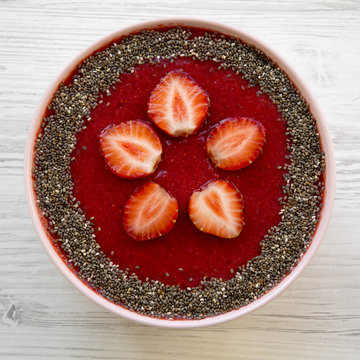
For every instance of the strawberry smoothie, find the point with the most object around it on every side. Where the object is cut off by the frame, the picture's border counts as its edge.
(185, 255)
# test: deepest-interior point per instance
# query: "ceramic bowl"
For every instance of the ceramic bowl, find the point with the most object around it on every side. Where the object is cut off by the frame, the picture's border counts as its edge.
(329, 174)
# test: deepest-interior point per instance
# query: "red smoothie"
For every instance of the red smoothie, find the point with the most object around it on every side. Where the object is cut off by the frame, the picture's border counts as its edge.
(184, 255)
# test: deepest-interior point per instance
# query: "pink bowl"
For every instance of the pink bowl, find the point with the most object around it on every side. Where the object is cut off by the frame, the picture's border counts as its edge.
(329, 175)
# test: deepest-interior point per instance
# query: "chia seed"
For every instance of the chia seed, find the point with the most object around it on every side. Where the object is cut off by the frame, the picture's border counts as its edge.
(281, 248)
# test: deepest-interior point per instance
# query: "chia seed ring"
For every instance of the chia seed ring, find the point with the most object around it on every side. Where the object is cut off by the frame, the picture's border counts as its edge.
(281, 248)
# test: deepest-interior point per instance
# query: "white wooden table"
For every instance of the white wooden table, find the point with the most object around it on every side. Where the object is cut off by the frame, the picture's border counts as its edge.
(43, 317)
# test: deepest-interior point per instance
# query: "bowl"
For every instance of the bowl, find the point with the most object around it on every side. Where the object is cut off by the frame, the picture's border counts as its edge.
(329, 175)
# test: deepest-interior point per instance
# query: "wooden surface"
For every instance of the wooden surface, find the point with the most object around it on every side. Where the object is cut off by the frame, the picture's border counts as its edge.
(43, 317)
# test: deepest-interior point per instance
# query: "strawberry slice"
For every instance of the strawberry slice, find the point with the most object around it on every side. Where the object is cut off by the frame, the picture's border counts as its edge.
(217, 209)
(150, 212)
(235, 143)
(178, 105)
(131, 149)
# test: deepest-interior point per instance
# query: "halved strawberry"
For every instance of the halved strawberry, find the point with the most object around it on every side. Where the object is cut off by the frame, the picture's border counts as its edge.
(235, 143)
(217, 209)
(131, 149)
(150, 212)
(178, 105)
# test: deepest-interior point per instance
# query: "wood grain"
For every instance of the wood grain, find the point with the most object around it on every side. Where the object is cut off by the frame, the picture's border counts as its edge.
(44, 317)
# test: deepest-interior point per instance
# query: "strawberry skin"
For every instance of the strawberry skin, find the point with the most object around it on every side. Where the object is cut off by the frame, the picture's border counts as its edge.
(131, 149)
(235, 143)
(217, 209)
(150, 212)
(178, 105)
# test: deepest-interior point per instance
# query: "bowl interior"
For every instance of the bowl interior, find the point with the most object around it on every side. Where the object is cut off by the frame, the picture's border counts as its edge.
(326, 145)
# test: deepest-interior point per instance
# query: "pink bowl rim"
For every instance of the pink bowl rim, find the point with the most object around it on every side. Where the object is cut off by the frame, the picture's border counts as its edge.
(324, 136)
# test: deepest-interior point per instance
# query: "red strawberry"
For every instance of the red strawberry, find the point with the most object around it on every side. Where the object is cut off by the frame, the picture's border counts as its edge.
(217, 209)
(178, 105)
(235, 143)
(150, 212)
(131, 149)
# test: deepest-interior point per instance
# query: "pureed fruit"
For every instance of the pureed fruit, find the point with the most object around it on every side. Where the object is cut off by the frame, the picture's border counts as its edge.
(184, 168)
(281, 207)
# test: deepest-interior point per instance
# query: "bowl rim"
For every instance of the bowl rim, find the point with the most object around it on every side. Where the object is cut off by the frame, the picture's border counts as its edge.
(326, 142)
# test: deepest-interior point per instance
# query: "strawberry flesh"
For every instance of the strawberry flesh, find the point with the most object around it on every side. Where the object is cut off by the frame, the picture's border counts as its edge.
(235, 143)
(178, 105)
(150, 212)
(217, 209)
(131, 149)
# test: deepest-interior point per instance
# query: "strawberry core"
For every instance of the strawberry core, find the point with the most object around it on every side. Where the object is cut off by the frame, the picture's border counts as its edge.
(214, 202)
(135, 151)
(179, 108)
